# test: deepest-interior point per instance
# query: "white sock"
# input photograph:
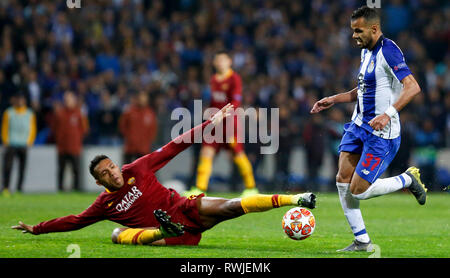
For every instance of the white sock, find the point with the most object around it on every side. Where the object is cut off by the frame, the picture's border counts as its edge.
(385, 186)
(350, 205)
(405, 179)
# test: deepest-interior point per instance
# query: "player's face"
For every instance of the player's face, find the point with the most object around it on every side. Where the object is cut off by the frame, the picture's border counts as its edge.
(222, 63)
(109, 174)
(363, 32)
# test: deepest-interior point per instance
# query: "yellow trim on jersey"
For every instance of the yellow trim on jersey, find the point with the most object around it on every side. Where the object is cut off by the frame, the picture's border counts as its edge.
(110, 192)
(32, 134)
(21, 109)
(5, 128)
(225, 76)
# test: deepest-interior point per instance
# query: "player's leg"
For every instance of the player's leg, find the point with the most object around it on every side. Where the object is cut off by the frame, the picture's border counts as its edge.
(350, 151)
(8, 158)
(137, 236)
(240, 158)
(215, 210)
(350, 205)
(22, 155)
(376, 158)
(363, 190)
(204, 170)
(246, 170)
(62, 161)
(75, 161)
(149, 235)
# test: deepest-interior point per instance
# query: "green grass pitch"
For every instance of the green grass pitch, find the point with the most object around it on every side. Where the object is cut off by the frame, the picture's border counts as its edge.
(396, 224)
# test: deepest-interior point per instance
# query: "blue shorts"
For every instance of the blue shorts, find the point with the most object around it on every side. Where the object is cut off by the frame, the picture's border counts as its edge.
(376, 153)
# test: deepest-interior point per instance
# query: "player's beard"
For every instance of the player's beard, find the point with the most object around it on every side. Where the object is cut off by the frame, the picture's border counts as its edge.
(364, 44)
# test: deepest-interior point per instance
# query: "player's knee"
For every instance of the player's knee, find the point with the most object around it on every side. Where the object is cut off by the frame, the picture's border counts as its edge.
(357, 191)
(343, 177)
(231, 208)
(115, 234)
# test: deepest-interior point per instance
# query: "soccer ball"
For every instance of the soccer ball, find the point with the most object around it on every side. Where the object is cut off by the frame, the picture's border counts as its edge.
(298, 223)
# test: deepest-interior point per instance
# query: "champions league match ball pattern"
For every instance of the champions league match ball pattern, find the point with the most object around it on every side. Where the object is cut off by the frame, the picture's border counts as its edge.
(298, 223)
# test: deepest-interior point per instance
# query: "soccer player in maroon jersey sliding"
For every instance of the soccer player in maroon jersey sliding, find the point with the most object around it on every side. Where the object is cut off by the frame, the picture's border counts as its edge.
(153, 214)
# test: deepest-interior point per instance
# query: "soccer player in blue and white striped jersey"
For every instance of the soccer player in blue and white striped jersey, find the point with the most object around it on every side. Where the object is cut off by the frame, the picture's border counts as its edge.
(372, 139)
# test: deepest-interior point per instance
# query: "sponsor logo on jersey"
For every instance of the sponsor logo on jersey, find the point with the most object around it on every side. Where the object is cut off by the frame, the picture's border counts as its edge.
(365, 171)
(219, 96)
(129, 198)
(371, 67)
(400, 66)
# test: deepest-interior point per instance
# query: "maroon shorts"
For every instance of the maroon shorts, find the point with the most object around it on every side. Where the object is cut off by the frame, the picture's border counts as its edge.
(229, 142)
(186, 213)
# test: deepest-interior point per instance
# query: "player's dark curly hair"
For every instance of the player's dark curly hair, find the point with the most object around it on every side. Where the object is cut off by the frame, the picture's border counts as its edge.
(369, 14)
(95, 162)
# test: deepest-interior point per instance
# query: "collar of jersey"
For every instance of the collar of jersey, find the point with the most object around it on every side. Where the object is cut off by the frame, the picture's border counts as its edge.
(227, 74)
(110, 192)
(21, 109)
(378, 44)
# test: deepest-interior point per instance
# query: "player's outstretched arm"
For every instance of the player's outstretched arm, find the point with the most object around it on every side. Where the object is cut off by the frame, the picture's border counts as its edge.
(23, 227)
(157, 159)
(327, 102)
(91, 215)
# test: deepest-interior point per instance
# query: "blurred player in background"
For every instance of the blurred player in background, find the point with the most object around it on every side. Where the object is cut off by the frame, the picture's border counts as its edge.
(138, 126)
(69, 126)
(132, 193)
(372, 139)
(18, 133)
(226, 87)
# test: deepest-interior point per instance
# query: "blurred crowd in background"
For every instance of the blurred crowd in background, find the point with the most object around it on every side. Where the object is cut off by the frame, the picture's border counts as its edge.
(116, 55)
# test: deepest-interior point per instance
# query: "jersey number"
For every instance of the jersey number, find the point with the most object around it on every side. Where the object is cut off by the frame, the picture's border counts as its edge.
(368, 161)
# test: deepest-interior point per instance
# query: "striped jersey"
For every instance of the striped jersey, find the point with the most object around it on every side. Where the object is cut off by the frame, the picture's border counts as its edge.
(379, 85)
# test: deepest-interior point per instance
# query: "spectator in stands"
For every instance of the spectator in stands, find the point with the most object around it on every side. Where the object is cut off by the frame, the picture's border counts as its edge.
(107, 119)
(314, 142)
(138, 126)
(69, 127)
(18, 133)
(283, 156)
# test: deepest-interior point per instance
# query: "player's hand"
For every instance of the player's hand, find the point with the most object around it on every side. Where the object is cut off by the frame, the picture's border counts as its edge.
(23, 227)
(322, 104)
(223, 113)
(379, 122)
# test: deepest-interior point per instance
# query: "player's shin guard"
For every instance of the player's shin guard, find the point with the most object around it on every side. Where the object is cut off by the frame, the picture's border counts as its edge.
(350, 205)
(260, 202)
(204, 171)
(139, 236)
(246, 170)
